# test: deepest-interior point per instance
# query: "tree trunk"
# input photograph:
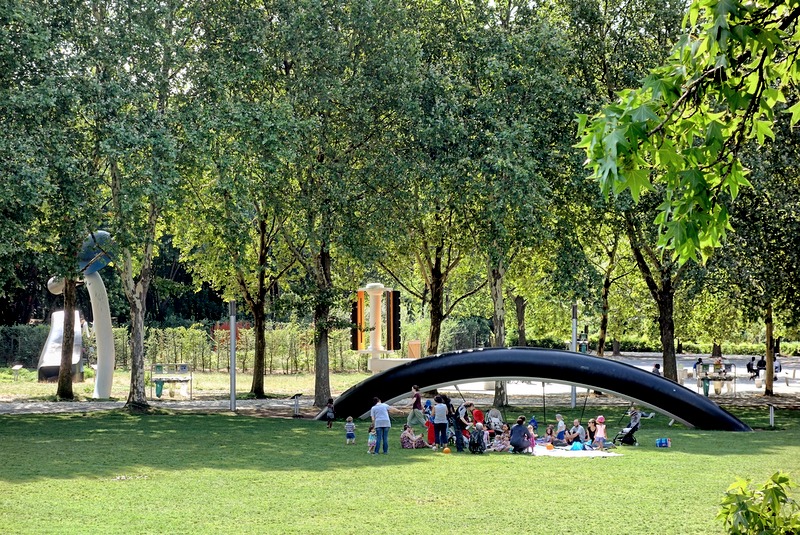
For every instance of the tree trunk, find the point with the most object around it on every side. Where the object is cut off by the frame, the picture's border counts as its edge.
(257, 302)
(137, 398)
(666, 322)
(615, 348)
(496, 274)
(437, 307)
(662, 291)
(716, 350)
(520, 304)
(322, 384)
(64, 390)
(769, 375)
(601, 342)
(259, 324)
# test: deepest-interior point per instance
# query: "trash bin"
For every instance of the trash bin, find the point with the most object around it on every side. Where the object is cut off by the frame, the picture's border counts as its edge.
(159, 388)
(583, 347)
(705, 386)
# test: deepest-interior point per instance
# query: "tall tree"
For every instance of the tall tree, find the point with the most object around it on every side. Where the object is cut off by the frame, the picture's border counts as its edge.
(344, 68)
(132, 68)
(47, 178)
(621, 40)
(242, 136)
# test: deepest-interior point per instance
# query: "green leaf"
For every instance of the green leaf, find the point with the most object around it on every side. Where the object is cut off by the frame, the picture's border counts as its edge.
(795, 111)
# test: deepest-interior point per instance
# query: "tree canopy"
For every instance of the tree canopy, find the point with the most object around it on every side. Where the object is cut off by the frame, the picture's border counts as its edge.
(684, 128)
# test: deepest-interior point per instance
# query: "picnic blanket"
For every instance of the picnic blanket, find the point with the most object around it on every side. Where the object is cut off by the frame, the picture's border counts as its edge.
(561, 452)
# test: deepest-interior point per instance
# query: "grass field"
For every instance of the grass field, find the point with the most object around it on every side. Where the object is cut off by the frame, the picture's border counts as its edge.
(223, 473)
(205, 385)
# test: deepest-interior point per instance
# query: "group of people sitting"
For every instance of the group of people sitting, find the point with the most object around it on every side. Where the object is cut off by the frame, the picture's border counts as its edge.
(478, 432)
(754, 368)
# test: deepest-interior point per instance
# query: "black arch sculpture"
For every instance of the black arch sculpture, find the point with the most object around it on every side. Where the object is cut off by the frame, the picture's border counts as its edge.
(548, 365)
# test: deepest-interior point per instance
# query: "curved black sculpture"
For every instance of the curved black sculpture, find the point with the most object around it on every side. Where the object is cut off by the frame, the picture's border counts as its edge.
(549, 365)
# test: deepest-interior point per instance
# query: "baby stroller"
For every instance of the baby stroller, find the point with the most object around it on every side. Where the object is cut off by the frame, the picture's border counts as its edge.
(626, 436)
(476, 441)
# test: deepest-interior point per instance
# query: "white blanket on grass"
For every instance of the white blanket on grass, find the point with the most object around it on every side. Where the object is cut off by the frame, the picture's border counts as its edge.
(561, 452)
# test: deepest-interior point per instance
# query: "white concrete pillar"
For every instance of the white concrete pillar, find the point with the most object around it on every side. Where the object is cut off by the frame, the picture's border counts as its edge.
(104, 336)
(375, 291)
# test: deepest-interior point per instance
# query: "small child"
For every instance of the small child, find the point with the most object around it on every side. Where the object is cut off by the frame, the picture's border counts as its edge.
(372, 439)
(532, 431)
(331, 415)
(600, 437)
(561, 427)
(350, 431)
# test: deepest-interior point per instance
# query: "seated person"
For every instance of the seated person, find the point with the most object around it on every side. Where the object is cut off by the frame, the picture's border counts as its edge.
(502, 441)
(751, 368)
(761, 365)
(698, 363)
(591, 429)
(410, 441)
(576, 432)
(549, 436)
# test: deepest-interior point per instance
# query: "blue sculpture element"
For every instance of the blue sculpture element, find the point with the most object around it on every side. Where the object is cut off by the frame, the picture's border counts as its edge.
(92, 257)
(548, 365)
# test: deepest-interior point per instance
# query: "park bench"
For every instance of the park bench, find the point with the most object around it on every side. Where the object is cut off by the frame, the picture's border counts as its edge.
(171, 374)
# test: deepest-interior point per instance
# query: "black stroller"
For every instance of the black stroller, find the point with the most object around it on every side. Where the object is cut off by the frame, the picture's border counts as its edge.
(626, 435)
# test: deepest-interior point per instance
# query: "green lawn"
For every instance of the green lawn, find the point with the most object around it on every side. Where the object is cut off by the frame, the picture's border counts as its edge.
(206, 385)
(192, 473)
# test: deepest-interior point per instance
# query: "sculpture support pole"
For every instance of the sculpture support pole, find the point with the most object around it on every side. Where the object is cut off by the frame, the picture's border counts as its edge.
(574, 347)
(104, 336)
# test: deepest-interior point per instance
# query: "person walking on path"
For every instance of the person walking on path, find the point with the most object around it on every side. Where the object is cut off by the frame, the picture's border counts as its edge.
(380, 419)
(416, 417)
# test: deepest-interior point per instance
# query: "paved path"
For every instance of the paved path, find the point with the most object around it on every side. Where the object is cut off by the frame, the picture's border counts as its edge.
(786, 387)
(218, 405)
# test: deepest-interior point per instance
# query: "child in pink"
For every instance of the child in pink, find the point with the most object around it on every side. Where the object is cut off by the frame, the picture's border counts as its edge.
(600, 434)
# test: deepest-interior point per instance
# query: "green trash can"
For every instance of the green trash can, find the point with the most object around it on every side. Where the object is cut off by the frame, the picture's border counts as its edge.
(160, 388)
(706, 382)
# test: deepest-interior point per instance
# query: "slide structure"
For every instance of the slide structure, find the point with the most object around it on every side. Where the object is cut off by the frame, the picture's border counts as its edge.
(50, 357)
(539, 365)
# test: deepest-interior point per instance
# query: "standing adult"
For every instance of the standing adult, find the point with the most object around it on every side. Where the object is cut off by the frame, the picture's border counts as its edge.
(520, 436)
(382, 423)
(416, 417)
(463, 418)
(440, 422)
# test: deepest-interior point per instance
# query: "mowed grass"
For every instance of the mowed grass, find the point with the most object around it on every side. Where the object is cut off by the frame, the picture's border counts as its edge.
(223, 473)
(206, 385)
